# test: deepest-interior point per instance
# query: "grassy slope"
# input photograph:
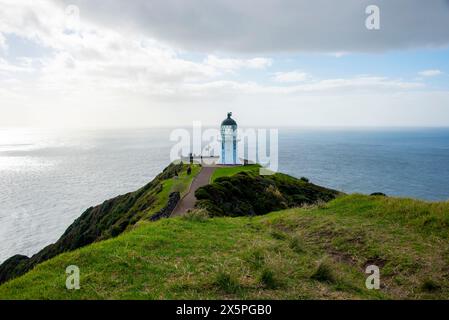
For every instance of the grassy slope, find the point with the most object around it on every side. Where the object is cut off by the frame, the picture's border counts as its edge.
(271, 256)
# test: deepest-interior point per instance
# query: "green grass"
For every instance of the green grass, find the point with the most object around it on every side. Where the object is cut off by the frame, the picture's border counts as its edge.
(183, 182)
(245, 258)
(230, 171)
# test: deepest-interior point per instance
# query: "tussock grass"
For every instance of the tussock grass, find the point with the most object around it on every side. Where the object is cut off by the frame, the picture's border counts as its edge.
(226, 282)
(268, 279)
(279, 235)
(255, 258)
(297, 244)
(324, 273)
(198, 215)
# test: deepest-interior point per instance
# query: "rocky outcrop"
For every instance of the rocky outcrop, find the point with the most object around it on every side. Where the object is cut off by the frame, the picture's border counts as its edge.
(97, 223)
(168, 209)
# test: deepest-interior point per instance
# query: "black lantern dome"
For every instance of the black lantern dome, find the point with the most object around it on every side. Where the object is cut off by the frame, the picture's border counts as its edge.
(229, 121)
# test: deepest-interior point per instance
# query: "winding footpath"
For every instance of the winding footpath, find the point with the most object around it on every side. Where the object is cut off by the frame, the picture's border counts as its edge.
(188, 201)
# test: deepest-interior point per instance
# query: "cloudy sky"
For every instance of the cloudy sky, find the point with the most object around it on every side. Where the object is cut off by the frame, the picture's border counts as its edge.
(141, 63)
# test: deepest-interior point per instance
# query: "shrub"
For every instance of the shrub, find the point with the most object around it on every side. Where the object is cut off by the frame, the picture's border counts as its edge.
(231, 196)
(381, 194)
(304, 179)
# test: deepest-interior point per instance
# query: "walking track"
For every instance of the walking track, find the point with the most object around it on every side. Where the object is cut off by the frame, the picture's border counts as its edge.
(188, 201)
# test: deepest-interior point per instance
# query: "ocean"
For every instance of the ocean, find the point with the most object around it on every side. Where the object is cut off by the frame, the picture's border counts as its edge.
(49, 177)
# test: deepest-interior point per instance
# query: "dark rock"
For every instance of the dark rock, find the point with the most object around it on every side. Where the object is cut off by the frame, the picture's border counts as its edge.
(168, 209)
(378, 194)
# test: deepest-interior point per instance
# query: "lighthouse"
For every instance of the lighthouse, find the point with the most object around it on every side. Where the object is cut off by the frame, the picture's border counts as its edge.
(229, 141)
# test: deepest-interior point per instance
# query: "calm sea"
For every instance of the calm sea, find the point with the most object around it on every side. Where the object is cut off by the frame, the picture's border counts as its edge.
(48, 178)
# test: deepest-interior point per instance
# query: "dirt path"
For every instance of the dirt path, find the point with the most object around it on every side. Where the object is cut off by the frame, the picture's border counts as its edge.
(188, 202)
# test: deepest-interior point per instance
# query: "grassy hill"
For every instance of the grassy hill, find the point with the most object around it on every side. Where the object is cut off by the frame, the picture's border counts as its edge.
(316, 251)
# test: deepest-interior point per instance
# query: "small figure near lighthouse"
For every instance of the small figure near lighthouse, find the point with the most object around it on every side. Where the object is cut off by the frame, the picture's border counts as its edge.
(229, 141)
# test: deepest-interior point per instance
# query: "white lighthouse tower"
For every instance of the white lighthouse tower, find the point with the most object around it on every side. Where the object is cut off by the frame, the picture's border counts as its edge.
(229, 141)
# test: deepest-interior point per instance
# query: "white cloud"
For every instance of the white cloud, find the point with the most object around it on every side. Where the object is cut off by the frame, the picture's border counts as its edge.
(375, 84)
(430, 73)
(9, 68)
(3, 45)
(339, 54)
(229, 65)
(109, 74)
(292, 76)
(343, 86)
(93, 69)
(277, 26)
(95, 55)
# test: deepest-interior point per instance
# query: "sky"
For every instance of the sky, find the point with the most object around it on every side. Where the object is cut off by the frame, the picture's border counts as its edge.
(146, 63)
